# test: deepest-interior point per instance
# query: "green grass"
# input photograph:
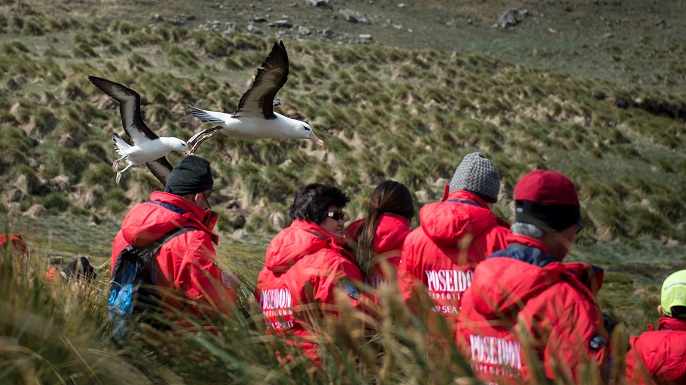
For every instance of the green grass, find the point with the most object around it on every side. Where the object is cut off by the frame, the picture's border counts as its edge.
(58, 333)
(525, 118)
(384, 112)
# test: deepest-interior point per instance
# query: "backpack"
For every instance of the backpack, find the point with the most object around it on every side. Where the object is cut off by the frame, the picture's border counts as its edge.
(79, 269)
(132, 286)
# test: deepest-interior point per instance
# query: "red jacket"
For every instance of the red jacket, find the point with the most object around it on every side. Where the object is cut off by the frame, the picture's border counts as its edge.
(455, 235)
(658, 356)
(556, 310)
(388, 242)
(186, 262)
(303, 265)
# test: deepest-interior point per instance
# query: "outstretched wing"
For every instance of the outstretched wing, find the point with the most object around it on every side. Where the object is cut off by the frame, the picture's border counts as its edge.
(129, 108)
(160, 168)
(271, 76)
(204, 116)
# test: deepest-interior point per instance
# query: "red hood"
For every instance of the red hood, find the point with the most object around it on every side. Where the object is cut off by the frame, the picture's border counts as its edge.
(301, 238)
(390, 233)
(148, 221)
(446, 222)
(498, 287)
(671, 324)
(509, 278)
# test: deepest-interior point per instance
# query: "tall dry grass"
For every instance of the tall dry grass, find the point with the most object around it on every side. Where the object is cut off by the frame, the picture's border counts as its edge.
(58, 333)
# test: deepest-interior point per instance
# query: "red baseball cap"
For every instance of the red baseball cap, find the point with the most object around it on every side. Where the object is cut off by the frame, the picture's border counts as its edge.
(548, 200)
(543, 186)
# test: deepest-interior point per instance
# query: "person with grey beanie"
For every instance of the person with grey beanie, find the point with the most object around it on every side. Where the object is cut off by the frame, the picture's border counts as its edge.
(455, 234)
(189, 282)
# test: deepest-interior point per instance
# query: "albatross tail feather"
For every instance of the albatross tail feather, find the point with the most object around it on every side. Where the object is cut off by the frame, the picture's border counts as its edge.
(120, 144)
(202, 115)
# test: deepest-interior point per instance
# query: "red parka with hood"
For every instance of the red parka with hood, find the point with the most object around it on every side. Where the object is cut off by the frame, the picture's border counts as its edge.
(555, 310)
(303, 265)
(388, 242)
(658, 356)
(186, 263)
(455, 235)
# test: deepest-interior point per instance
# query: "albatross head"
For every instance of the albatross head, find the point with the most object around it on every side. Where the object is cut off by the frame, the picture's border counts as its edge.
(309, 134)
(176, 144)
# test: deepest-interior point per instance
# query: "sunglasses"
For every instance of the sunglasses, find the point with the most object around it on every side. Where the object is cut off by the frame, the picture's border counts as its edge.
(336, 215)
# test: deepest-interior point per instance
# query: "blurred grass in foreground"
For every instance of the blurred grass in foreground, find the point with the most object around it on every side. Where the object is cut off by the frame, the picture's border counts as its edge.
(58, 333)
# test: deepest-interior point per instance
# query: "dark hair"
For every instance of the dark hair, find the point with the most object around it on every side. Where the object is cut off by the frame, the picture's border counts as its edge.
(388, 197)
(679, 312)
(312, 201)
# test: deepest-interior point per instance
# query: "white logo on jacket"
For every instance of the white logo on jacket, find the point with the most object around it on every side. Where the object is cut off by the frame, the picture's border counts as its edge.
(276, 304)
(495, 355)
(454, 281)
(447, 285)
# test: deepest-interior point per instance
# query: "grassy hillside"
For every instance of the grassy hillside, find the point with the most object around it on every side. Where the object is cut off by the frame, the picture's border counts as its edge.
(384, 113)
(607, 111)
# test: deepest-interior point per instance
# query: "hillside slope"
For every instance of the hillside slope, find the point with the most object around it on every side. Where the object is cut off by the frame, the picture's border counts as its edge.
(384, 112)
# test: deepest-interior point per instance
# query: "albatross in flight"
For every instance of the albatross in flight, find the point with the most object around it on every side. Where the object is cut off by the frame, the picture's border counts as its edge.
(147, 148)
(255, 116)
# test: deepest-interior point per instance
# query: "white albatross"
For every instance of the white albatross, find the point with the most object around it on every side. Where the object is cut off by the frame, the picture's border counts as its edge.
(147, 148)
(255, 116)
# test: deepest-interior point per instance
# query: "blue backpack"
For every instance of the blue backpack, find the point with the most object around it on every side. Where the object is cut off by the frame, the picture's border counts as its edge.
(132, 287)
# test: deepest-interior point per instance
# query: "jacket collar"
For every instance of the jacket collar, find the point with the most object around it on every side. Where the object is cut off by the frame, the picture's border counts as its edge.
(526, 249)
(671, 324)
(205, 219)
(461, 195)
(514, 240)
(316, 230)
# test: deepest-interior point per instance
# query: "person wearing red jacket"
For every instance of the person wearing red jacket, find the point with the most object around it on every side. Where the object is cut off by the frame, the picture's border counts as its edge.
(455, 235)
(187, 263)
(304, 264)
(379, 237)
(527, 314)
(659, 356)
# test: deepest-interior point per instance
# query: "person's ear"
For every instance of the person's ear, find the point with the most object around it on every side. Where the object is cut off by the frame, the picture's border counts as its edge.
(659, 311)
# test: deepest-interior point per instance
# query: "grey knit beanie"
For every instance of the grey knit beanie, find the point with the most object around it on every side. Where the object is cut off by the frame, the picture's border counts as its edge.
(477, 175)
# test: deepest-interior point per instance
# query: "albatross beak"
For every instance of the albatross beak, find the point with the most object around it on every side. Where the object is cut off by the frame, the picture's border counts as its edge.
(314, 138)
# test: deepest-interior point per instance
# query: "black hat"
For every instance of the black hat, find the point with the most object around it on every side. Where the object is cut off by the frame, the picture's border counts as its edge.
(191, 176)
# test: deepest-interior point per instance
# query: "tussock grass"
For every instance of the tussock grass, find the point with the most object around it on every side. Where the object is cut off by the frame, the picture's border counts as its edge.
(59, 333)
(415, 111)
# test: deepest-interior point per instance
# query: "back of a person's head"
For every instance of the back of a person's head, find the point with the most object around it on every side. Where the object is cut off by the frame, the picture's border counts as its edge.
(388, 197)
(192, 175)
(478, 175)
(391, 197)
(673, 295)
(312, 201)
(546, 199)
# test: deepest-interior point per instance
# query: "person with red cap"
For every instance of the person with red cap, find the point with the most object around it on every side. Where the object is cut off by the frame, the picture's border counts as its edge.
(304, 265)
(187, 269)
(523, 299)
(659, 356)
(455, 234)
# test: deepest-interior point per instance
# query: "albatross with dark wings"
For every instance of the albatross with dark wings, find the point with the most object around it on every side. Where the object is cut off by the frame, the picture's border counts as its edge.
(255, 116)
(147, 148)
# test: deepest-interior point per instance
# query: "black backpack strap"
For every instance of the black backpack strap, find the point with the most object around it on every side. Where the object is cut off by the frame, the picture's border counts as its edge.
(150, 251)
(147, 296)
